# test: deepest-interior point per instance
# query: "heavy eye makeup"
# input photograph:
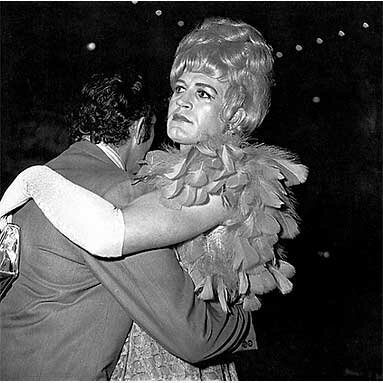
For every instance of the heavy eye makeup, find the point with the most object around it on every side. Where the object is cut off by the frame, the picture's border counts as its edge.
(201, 93)
(178, 89)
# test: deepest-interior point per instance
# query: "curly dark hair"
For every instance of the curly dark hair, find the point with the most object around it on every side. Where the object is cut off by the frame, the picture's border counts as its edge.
(108, 106)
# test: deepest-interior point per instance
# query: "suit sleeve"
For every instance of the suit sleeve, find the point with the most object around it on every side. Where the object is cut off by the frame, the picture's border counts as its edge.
(160, 297)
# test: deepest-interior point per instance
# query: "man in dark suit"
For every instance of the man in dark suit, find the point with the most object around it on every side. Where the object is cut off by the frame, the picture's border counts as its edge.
(67, 315)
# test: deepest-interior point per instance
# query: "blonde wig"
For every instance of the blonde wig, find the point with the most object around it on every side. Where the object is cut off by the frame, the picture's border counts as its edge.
(235, 52)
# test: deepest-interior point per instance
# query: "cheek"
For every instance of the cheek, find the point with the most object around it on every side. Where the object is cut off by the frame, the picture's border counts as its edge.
(170, 110)
(172, 104)
(212, 122)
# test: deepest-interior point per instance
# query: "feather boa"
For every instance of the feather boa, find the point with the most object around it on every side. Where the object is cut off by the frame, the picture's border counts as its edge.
(242, 259)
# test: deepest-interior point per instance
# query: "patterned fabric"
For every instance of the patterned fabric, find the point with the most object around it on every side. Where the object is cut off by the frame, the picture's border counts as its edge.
(234, 262)
(142, 358)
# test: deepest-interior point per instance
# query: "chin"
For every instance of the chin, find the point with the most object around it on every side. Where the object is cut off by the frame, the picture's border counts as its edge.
(177, 140)
(173, 134)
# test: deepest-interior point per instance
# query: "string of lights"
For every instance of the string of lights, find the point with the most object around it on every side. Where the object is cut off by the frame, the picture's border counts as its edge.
(299, 47)
(279, 54)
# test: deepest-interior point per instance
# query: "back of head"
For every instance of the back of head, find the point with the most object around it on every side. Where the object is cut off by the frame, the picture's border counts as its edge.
(109, 105)
(235, 52)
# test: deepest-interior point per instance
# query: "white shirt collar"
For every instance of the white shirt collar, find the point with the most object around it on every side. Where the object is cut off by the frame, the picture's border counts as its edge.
(110, 153)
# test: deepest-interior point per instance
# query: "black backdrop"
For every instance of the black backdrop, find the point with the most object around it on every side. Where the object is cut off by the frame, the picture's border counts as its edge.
(329, 327)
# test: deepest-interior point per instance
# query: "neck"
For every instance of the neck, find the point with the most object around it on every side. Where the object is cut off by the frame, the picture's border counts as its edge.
(184, 147)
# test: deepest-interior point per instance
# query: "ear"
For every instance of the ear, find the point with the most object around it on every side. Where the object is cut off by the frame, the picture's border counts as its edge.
(139, 130)
(237, 119)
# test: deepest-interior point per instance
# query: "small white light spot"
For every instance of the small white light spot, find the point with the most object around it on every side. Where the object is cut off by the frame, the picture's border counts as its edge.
(341, 34)
(324, 254)
(316, 100)
(279, 54)
(158, 12)
(180, 23)
(134, 1)
(365, 25)
(319, 40)
(91, 46)
(298, 47)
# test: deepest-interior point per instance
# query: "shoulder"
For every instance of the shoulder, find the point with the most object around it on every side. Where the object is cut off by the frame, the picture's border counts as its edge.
(86, 165)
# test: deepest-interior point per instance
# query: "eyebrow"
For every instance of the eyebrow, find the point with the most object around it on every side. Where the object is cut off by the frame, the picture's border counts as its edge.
(207, 86)
(202, 84)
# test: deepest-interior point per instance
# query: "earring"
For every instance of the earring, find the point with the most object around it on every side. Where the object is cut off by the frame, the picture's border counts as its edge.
(231, 129)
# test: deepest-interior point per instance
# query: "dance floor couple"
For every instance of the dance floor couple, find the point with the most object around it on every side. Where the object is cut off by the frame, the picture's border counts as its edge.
(150, 270)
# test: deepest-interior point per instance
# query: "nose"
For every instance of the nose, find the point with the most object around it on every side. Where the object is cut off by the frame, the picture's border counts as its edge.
(184, 101)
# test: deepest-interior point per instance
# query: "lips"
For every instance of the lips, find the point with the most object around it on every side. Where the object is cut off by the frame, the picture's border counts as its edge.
(180, 117)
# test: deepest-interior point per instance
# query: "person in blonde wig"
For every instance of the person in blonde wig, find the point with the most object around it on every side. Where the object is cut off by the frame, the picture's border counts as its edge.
(233, 52)
(224, 203)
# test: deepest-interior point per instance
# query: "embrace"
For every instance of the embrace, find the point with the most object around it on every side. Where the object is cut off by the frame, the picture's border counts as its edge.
(164, 259)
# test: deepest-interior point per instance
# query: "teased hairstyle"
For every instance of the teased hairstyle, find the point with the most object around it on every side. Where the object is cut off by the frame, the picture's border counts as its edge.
(235, 52)
(108, 107)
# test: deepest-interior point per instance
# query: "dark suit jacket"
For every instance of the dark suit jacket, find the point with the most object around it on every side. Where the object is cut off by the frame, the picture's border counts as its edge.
(67, 315)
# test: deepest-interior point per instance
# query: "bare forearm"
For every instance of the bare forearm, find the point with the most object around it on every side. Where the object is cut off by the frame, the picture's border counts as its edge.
(149, 225)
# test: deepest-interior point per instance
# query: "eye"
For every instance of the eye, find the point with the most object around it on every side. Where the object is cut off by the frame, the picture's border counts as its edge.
(201, 93)
(179, 89)
(205, 95)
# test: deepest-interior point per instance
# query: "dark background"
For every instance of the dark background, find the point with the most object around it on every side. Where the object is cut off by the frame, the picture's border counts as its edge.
(330, 326)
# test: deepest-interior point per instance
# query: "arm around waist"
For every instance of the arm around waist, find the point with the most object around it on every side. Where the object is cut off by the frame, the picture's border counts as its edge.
(159, 296)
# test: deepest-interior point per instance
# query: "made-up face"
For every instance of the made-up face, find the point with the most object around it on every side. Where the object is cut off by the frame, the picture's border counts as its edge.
(194, 108)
